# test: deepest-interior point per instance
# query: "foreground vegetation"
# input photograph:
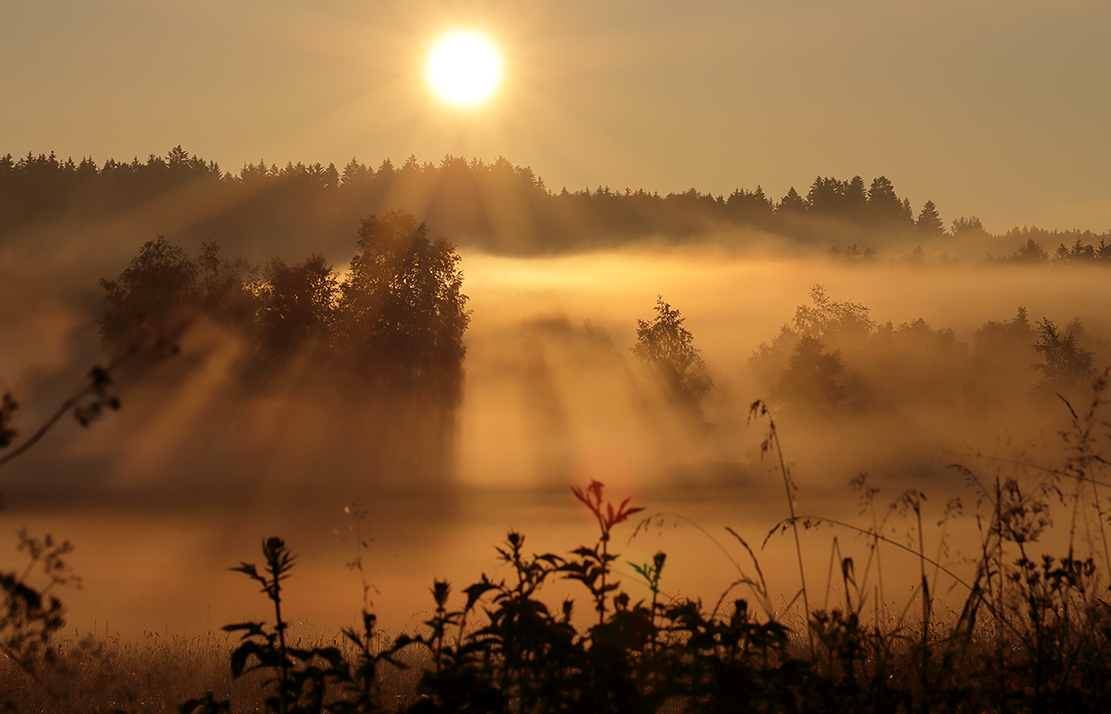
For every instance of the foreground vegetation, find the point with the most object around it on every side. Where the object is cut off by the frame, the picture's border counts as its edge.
(1028, 632)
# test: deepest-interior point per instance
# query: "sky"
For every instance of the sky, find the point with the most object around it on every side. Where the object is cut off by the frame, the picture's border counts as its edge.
(992, 108)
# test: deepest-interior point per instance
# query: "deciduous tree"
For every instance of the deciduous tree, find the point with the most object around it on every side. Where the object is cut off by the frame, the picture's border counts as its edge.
(402, 312)
(668, 349)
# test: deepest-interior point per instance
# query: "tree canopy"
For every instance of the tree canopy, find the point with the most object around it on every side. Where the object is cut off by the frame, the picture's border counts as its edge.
(667, 347)
(396, 322)
(402, 312)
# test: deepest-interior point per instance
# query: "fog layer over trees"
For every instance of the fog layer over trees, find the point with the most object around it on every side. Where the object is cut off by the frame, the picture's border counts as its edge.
(496, 207)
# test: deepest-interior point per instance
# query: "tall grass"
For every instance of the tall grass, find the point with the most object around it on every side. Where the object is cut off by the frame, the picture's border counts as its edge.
(1026, 633)
(1021, 631)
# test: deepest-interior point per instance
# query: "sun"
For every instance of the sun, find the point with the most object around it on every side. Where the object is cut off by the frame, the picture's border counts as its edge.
(464, 68)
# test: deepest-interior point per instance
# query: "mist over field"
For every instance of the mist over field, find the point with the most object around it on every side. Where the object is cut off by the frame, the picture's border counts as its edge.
(198, 465)
(550, 375)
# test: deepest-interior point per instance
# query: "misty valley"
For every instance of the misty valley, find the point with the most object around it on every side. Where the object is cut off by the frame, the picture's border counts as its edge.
(511, 449)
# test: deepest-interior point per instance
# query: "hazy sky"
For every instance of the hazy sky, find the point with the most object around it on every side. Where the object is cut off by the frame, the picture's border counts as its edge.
(997, 108)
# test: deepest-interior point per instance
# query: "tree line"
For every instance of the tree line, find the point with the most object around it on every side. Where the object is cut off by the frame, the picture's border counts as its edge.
(833, 358)
(496, 206)
(394, 323)
(1074, 248)
(372, 357)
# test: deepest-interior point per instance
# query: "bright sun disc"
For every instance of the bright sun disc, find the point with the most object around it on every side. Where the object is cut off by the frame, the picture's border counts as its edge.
(464, 68)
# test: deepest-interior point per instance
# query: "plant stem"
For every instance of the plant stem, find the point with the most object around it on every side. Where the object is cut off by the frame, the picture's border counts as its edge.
(773, 435)
(68, 405)
(280, 627)
(925, 601)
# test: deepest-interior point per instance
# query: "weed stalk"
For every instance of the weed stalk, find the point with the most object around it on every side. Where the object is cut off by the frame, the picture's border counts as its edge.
(759, 408)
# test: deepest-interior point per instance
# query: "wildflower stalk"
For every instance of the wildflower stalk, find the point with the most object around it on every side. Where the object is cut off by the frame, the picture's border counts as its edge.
(759, 408)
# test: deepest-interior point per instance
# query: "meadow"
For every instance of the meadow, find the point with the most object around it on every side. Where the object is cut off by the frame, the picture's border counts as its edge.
(1011, 628)
(925, 583)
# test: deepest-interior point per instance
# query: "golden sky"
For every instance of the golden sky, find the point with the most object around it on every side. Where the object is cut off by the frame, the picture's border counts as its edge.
(994, 108)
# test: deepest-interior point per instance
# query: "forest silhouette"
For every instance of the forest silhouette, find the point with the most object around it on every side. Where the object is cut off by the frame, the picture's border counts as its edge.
(497, 207)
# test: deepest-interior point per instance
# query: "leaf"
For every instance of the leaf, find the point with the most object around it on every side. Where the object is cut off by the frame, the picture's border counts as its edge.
(584, 552)
(207, 704)
(241, 656)
(477, 590)
(249, 570)
(403, 641)
(252, 628)
(100, 377)
(331, 655)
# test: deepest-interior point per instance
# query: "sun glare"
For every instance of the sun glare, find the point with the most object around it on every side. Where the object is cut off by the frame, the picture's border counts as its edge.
(464, 68)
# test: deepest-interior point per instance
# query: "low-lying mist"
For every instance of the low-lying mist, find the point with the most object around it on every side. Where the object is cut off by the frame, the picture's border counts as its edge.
(197, 467)
(532, 313)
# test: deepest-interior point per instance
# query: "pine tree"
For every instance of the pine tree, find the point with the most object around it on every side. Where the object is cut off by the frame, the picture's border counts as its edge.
(929, 221)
